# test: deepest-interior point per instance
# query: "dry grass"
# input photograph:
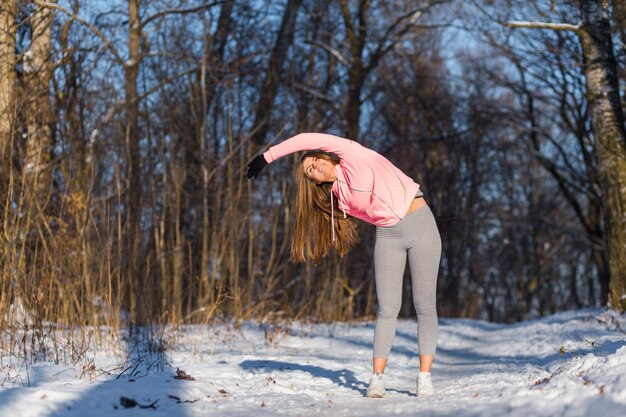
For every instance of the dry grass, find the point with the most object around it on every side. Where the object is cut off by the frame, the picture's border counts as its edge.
(66, 290)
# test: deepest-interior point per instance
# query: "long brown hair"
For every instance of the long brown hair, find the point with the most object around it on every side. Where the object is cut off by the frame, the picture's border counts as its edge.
(312, 232)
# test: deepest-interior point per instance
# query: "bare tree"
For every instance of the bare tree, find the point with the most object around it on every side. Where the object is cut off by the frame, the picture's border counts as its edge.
(551, 111)
(8, 77)
(275, 69)
(133, 157)
(212, 73)
(607, 117)
(37, 74)
(365, 51)
(8, 11)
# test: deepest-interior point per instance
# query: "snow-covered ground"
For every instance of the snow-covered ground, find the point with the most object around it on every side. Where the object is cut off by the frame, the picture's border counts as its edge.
(568, 364)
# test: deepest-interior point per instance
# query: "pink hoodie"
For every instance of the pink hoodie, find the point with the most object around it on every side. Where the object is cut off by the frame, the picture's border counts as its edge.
(368, 186)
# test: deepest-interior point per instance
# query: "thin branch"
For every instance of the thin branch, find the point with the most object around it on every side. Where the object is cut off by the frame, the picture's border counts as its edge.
(313, 92)
(334, 52)
(544, 25)
(345, 11)
(180, 11)
(412, 17)
(92, 28)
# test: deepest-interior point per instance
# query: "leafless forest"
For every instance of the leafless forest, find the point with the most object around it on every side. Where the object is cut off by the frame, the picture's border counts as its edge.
(126, 128)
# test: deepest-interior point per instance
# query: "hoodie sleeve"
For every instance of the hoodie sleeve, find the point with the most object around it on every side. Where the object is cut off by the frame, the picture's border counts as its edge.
(310, 141)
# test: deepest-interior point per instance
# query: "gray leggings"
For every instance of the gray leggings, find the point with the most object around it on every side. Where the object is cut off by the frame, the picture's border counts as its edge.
(417, 236)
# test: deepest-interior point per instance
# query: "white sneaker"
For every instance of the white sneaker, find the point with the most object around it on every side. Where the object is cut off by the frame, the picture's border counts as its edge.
(376, 388)
(424, 385)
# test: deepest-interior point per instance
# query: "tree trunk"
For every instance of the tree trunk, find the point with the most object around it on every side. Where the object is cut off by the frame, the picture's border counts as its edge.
(7, 83)
(7, 88)
(37, 75)
(214, 57)
(356, 73)
(274, 71)
(176, 308)
(216, 45)
(133, 169)
(608, 126)
(7, 118)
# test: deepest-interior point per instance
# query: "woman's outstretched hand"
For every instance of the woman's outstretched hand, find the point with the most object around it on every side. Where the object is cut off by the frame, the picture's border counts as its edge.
(256, 166)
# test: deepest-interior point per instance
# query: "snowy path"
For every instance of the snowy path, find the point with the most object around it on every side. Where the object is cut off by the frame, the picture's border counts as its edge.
(569, 364)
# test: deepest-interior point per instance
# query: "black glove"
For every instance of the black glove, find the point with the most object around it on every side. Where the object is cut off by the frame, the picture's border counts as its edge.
(446, 224)
(256, 166)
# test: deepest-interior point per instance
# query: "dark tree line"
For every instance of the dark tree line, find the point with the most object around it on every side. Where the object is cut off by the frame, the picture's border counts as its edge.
(125, 130)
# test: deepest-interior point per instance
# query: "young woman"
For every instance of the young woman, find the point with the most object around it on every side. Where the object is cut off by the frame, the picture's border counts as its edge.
(338, 180)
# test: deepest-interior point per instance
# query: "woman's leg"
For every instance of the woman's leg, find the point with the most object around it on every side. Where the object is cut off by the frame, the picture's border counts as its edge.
(424, 256)
(389, 266)
(379, 365)
(426, 361)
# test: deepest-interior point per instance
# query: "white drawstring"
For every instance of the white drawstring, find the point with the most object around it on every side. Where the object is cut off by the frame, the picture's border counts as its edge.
(332, 210)
(332, 214)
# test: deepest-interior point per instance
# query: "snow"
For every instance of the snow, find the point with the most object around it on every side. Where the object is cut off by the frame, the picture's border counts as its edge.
(567, 364)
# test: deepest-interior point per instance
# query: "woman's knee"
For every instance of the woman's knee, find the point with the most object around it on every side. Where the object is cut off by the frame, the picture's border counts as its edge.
(389, 312)
(429, 310)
